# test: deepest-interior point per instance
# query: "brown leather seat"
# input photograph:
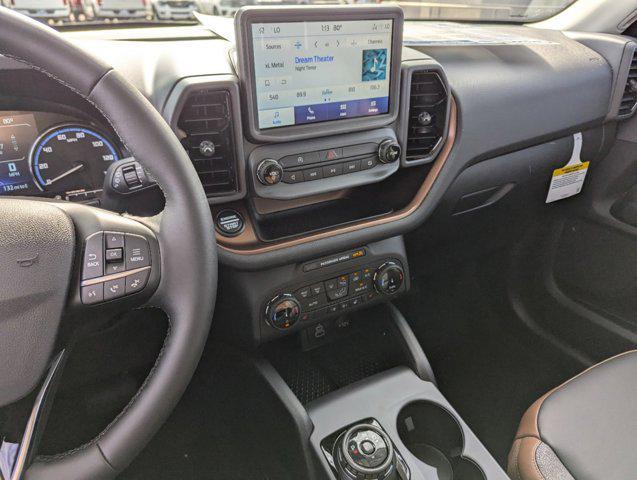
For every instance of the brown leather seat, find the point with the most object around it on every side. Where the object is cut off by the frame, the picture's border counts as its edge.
(583, 429)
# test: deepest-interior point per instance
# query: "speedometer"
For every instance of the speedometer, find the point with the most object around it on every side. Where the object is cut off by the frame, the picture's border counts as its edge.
(71, 158)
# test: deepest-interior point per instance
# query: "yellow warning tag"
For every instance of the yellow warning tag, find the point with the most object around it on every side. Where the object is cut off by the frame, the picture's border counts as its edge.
(570, 169)
(569, 180)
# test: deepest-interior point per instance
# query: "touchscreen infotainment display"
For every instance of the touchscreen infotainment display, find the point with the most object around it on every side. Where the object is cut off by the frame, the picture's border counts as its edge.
(307, 72)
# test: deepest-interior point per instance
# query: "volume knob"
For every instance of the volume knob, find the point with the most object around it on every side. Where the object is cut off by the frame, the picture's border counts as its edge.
(269, 172)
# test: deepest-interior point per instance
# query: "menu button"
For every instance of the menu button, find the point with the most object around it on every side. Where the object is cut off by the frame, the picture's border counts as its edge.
(137, 252)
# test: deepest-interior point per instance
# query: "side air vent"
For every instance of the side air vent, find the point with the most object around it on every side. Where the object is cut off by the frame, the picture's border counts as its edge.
(208, 136)
(427, 115)
(629, 98)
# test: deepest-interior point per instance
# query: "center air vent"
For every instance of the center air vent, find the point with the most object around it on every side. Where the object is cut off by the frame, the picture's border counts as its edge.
(207, 133)
(629, 98)
(427, 115)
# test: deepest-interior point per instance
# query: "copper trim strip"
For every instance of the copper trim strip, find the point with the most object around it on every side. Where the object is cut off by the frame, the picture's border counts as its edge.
(248, 237)
(113, 276)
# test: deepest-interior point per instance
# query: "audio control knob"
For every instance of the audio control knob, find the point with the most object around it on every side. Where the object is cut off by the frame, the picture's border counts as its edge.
(283, 311)
(389, 151)
(389, 277)
(269, 172)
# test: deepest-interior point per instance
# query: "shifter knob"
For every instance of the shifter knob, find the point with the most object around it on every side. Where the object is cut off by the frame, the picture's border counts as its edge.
(364, 452)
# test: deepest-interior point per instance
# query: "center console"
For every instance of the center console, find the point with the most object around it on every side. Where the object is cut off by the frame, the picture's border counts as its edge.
(316, 154)
(395, 426)
(365, 406)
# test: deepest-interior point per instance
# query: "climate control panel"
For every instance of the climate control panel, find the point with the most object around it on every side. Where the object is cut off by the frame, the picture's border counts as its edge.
(336, 295)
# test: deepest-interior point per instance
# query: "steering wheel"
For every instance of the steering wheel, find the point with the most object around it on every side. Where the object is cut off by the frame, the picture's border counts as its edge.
(44, 253)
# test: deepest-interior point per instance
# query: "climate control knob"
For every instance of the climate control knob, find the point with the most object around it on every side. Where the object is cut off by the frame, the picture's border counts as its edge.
(283, 311)
(389, 277)
(269, 172)
(389, 151)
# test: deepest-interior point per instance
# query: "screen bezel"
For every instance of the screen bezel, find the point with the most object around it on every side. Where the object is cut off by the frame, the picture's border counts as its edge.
(245, 55)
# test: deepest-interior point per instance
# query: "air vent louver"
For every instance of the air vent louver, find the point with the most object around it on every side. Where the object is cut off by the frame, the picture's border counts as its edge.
(629, 99)
(427, 115)
(206, 120)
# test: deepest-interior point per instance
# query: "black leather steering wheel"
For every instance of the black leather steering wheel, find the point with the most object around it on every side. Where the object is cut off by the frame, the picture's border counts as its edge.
(184, 270)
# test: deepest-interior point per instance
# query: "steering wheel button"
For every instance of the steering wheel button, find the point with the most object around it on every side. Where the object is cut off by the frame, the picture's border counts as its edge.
(114, 240)
(93, 265)
(114, 255)
(136, 281)
(137, 252)
(114, 289)
(114, 267)
(92, 294)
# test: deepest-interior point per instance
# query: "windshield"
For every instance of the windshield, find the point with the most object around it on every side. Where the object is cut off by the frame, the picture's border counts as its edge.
(153, 12)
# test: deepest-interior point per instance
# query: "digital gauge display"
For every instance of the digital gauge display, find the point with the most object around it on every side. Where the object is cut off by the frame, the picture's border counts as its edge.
(17, 134)
(71, 157)
(49, 155)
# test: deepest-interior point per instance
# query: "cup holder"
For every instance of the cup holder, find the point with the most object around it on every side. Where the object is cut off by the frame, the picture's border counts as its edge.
(434, 436)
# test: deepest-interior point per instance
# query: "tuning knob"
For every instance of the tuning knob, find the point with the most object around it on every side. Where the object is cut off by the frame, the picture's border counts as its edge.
(388, 151)
(269, 172)
(389, 277)
(283, 311)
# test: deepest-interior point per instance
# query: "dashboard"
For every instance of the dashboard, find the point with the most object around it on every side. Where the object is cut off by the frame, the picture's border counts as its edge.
(321, 135)
(54, 155)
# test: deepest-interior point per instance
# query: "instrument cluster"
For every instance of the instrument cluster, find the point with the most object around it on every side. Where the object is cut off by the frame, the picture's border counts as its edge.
(54, 155)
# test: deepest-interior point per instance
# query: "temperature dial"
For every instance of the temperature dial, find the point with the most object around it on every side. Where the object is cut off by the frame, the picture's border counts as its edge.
(389, 278)
(283, 311)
